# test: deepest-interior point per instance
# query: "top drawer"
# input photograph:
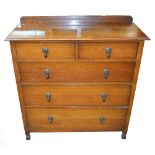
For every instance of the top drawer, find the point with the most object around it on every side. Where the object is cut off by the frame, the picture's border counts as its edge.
(44, 51)
(107, 50)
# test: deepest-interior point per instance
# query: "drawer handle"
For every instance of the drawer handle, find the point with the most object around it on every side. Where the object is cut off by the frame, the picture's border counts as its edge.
(101, 119)
(108, 51)
(50, 119)
(45, 52)
(48, 95)
(47, 73)
(104, 97)
(106, 73)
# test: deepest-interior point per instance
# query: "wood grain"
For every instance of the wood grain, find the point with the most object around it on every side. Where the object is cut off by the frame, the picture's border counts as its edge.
(135, 78)
(26, 51)
(92, 28)
(75, 20)
(76, 62)
(97, 50)
(76, 72)
(76, 95)
(75, 119)
(19, 87)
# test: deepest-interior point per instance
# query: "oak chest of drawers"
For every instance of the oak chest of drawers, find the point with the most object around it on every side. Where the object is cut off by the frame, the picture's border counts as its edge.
(76, 73)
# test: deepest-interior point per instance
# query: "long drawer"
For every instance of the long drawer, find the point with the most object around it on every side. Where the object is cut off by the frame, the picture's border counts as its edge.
(76, 119)
(74, 95)
(77, 72)
(45, 51)
(107, 50)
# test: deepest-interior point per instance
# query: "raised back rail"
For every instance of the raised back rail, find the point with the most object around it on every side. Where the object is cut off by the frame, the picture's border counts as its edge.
(76, 20)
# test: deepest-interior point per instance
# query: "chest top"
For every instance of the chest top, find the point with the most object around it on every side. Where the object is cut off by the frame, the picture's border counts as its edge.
(100, 28)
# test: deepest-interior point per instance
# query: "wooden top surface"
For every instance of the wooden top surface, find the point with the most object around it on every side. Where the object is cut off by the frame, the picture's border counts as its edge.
(101, 28)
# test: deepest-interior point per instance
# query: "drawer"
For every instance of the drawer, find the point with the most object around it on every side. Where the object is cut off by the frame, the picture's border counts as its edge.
(77, 72)
(45, 51)
(76, 119)
(107, 50)
(69, 95)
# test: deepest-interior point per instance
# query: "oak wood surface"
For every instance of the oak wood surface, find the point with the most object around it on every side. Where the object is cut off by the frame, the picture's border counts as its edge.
(71, 95)
(75, 119)
(75, 20)
(107, 28)
(98, 50)
(33, 51)
(76, 62)
(76, 72)
(134, 82)
(19, 87)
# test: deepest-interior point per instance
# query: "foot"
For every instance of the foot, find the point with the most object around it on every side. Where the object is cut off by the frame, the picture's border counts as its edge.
(123, 136)
(28, 136)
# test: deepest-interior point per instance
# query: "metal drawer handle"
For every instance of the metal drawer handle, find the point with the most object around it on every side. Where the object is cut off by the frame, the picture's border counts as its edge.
(48, 95)
(45, 52)
(47, 73)
(108, 51)
(101, 119)
(104, 97)
(106, 73)
(50, 119)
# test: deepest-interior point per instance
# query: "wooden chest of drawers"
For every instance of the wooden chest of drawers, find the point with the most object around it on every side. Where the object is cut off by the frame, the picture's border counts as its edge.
(76, 73)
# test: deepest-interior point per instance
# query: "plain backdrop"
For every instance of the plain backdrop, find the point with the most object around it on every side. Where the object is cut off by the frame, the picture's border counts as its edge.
(141, 135)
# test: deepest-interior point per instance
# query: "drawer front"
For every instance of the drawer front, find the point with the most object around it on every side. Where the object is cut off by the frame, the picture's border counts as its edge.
(107, 50)
(45, 51)
(62, 95)
(75, 119)
(77, 72)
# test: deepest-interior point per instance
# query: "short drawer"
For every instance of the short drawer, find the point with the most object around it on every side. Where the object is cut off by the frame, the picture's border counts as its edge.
(74, 95)
(107, 50)
(76, 119)
(77, 72)
(45, 51)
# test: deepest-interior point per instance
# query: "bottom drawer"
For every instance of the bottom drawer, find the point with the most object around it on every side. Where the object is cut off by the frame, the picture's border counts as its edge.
(76, 119)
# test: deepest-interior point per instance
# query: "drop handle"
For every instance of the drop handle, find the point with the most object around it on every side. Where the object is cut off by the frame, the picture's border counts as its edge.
(101, 119)
(50, 119)
(108, 51)
(106, 73)
(45, 52)
(48, 96)
(47, 73)
(104, 97)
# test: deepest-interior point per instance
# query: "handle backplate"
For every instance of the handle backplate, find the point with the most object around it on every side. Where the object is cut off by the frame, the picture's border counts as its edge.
(108, 51)
(101, 119)
(45, 52)
(47, 73)
(104, 97)
(106, 73)
(48, 95)
(50, 119)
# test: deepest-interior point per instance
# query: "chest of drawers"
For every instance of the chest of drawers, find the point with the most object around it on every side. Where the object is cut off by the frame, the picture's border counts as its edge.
(76, 73)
